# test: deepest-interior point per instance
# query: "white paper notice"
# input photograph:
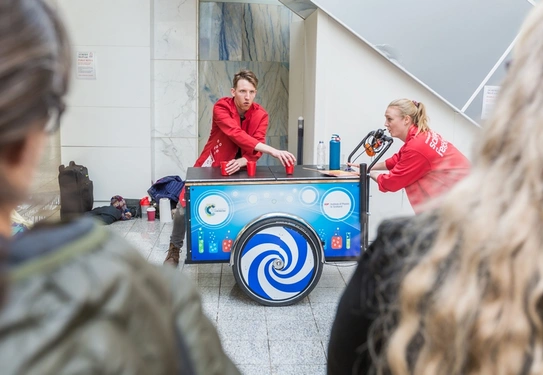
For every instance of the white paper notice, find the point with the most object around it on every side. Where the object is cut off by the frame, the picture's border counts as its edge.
(490, 94)
(86, 65)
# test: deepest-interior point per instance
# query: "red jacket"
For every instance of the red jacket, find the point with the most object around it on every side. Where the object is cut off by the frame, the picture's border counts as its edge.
(228, 133)
(426, 166)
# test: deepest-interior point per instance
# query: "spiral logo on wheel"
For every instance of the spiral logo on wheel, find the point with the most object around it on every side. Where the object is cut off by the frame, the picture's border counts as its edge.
(277, 263)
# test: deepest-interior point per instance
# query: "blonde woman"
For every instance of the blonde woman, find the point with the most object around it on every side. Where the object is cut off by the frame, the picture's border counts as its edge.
(426, 165)
(81, 300)
(460, 290)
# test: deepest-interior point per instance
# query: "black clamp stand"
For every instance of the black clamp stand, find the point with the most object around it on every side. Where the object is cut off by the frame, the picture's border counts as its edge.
(376, 143)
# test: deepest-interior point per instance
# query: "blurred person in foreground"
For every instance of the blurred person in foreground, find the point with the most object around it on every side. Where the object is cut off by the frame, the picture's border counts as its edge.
(459, 290)
(76, 298)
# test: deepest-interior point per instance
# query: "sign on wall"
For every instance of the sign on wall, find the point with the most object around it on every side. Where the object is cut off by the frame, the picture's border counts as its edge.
(489, 100)
(86, 65)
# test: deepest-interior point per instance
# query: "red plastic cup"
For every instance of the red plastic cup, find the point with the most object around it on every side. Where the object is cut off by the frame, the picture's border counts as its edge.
(289, 168)
(223, 168)
(251, 168)
(151, 214)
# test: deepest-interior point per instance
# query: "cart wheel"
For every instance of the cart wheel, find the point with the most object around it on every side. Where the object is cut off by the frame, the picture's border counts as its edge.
(277, 260)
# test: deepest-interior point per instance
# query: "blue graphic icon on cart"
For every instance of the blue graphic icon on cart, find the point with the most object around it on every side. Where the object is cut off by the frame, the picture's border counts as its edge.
(214, 210)
(227, 243)
(309, 195)
(213, 248)
(200, 241)
(348, 240)
(337, 240)
(337, 204)
(210, 209)
(212, 243)
(322, 236)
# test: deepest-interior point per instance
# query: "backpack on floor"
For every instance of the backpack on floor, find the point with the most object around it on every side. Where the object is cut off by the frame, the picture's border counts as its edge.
(76, 190)
(167, 187)
(133, 206)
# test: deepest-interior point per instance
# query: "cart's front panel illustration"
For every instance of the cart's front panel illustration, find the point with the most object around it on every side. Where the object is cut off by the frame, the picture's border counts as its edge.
(276, 235)
(218, 213)
(275, 230)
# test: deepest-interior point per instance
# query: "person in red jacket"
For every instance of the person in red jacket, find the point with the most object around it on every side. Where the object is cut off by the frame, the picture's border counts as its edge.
(426, 165)
(238, 135)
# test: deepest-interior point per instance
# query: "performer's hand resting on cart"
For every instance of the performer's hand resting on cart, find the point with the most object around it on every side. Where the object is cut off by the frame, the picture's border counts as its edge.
(426, 165)
(238, 135)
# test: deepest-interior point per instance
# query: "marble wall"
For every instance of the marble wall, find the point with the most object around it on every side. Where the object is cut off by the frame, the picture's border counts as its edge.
(174, 136)
(234, 36)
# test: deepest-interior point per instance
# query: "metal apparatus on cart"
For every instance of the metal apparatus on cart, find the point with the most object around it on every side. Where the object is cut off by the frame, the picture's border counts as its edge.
(376, 143)
(277, 230)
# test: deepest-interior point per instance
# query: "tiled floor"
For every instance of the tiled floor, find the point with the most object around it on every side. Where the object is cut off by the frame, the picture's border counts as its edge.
(261, 340)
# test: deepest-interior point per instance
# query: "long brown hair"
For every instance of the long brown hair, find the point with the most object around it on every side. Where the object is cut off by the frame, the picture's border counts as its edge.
(34, 71)
(474, 302)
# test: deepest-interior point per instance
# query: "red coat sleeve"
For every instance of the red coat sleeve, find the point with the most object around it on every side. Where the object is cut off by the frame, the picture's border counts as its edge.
(391, 162)
(258, 132)
(231, 127)
(410, 167)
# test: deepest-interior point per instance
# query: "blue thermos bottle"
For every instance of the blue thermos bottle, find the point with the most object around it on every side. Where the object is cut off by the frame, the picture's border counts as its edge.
(335, 152)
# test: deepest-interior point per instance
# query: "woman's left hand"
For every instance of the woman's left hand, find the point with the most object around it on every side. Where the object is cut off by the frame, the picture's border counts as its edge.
(285, 157)
(355, 165)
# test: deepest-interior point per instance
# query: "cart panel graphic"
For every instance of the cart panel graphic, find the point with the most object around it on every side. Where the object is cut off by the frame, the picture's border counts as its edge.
(218, 213)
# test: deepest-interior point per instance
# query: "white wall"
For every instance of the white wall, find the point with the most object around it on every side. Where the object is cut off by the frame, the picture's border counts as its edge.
(296, 81)
(138, 121)
(310, 82)
(350, 86)
(107, 125)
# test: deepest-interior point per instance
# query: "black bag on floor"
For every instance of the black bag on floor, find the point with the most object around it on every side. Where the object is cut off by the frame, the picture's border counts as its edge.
(133, 206)
(76, 190)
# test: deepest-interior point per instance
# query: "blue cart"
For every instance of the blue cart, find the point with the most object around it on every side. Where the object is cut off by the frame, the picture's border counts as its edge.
(276, 230)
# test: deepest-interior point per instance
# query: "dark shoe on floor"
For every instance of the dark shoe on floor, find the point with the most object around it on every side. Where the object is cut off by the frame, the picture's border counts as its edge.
(173, 256)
